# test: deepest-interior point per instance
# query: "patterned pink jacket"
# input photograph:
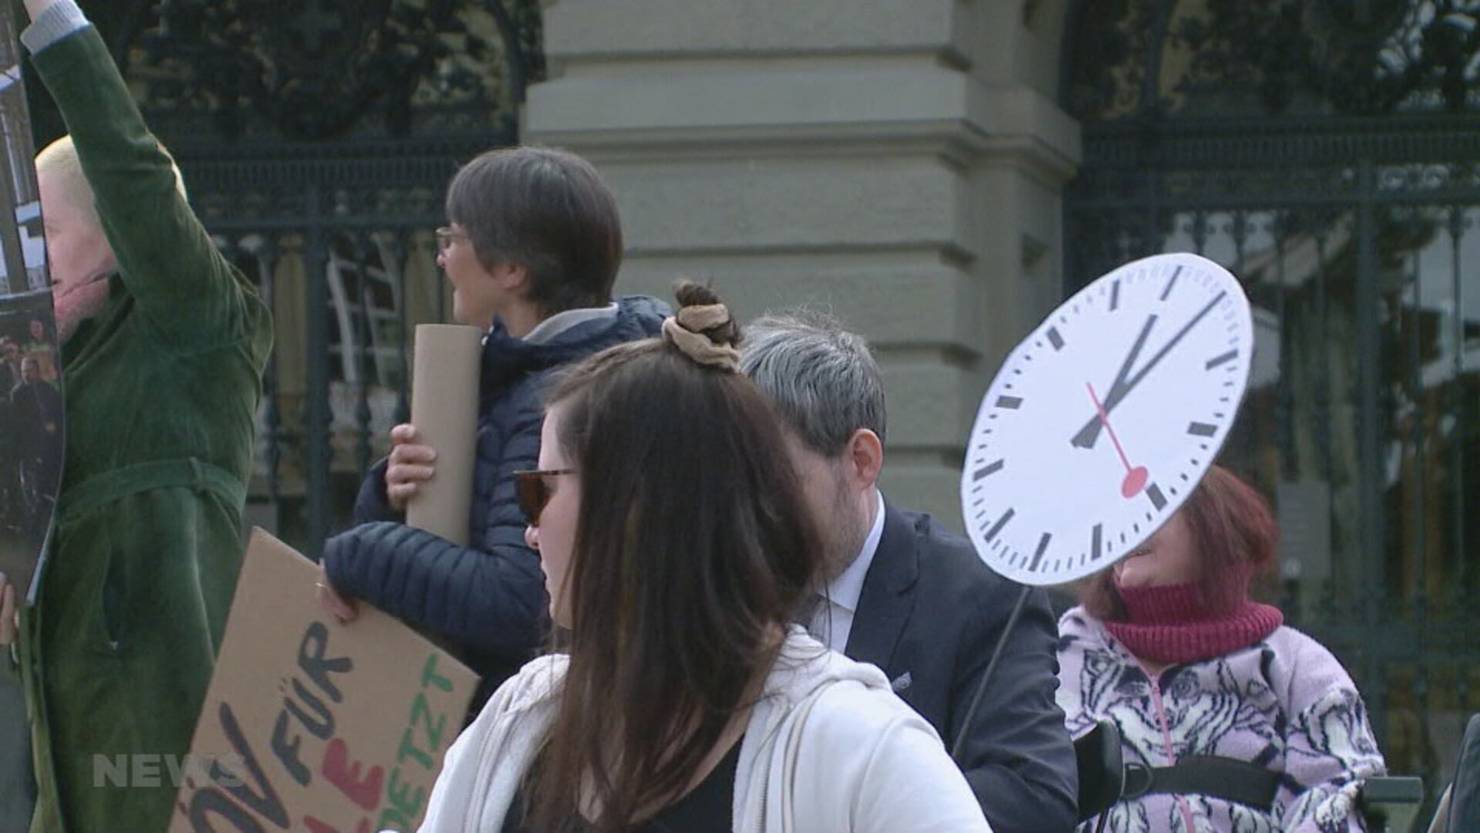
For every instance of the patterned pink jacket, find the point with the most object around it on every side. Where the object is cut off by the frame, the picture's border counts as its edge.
(1284, 703)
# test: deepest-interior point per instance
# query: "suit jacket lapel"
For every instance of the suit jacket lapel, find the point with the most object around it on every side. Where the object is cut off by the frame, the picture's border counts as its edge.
(886, 603)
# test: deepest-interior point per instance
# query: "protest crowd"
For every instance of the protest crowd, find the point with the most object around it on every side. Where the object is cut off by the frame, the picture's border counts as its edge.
(689, 603)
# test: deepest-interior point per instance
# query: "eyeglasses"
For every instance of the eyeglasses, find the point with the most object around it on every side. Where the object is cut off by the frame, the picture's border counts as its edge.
(533, 493)
(445, 236)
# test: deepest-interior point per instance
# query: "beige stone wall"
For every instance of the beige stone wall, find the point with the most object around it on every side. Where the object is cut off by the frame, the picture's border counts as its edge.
(896, 161)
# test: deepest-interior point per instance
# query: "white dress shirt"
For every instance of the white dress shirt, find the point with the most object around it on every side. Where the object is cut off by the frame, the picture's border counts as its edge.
(834, 618)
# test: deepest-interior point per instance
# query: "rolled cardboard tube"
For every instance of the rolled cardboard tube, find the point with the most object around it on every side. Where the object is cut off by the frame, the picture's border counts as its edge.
(444, 409)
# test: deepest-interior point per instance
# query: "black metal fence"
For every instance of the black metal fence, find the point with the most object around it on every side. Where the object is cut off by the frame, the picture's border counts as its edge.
(338, 240)
(317, 142)
(1328, 154)
(1358, 242)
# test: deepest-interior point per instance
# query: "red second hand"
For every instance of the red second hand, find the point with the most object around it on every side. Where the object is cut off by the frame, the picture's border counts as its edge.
(1135, 478)
(1105, 421)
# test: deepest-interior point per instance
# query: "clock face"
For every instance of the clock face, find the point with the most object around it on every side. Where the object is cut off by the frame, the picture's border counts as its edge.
(1102, 421)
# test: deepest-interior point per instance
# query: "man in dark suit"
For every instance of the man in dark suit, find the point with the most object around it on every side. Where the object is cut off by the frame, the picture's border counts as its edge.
(909, 596)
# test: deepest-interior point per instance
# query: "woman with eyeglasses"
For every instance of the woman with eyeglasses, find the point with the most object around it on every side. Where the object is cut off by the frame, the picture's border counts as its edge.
(676, 549)
(531, 252)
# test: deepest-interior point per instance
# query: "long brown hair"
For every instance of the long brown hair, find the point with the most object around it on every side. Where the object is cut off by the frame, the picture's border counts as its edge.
(1234, 536)
(692, 548)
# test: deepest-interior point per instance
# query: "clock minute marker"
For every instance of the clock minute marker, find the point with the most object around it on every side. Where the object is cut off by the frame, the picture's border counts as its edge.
(1171, 283)
(990, 468)
(1157, 498)
(997, 527)
(1217, 360)
(1042, 548)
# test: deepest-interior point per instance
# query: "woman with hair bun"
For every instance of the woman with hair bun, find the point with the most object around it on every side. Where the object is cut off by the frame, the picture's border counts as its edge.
(1230, 721)
(677, 550)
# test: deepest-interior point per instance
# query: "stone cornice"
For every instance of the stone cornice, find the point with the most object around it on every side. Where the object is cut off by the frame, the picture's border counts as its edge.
(891, 111)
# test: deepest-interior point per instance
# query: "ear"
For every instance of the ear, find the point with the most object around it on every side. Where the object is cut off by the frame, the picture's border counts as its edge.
(864, 457)
(511, 277)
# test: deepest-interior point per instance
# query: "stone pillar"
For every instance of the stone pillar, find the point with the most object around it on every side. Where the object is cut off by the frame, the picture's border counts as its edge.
(898, 163)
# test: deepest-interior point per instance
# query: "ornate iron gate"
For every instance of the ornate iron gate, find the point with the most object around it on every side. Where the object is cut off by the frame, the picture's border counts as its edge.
(1328, 153)
(345, 259)
(317, 142)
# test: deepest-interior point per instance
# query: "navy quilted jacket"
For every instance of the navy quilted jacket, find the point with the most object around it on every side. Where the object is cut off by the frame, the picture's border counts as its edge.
(487, 599)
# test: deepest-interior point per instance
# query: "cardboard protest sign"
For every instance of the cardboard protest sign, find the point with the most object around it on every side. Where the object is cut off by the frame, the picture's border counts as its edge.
(312, 725)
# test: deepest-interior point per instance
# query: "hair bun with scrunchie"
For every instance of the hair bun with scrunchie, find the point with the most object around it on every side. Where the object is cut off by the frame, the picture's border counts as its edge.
(702, 329)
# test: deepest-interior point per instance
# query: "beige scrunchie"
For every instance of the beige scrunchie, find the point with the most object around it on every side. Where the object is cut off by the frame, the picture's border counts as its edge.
(686, 331)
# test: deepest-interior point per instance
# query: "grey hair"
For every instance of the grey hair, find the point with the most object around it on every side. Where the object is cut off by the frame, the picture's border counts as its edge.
(821, 377)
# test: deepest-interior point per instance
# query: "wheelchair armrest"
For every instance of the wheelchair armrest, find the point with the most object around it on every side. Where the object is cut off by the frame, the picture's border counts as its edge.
(1391, 803)
(1101, 771)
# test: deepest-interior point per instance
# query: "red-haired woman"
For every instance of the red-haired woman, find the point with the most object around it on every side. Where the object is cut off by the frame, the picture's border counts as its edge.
(1230, 721)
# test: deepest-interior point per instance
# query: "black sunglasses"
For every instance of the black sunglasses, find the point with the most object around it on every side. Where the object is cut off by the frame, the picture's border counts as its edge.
(533, 493)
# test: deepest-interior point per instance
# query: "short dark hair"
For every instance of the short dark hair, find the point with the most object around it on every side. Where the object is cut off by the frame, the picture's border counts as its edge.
(1234, 536)
(547, 210)
(693, 551)
(822, 378)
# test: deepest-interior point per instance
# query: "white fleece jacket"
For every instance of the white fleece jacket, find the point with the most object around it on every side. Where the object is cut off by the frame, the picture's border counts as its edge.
(829, 749)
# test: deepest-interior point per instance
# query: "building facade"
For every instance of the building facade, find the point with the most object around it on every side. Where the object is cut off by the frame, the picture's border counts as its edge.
(938, 173)
(941, 173)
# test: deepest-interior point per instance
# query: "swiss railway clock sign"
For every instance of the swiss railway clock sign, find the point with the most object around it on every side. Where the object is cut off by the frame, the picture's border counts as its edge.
(1102, 421)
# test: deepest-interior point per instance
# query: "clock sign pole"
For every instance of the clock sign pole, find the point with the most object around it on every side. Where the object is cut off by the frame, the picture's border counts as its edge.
(1103, 420)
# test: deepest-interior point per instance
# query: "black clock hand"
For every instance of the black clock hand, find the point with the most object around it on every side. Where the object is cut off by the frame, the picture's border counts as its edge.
(1091, 431)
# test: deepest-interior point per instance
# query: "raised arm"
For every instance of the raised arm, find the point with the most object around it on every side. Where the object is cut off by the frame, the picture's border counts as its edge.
(166, 259)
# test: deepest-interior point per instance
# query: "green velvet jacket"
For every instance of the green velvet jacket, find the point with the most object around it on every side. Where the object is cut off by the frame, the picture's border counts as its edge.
(161, 392)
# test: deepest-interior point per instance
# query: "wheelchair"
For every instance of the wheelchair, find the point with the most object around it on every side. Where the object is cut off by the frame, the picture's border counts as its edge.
(1389, 804)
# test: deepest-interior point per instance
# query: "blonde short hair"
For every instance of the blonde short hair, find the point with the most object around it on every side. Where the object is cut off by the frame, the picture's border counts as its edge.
(60, 162)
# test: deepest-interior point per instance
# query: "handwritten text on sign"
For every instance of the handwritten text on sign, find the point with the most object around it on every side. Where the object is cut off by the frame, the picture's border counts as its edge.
(349, 740)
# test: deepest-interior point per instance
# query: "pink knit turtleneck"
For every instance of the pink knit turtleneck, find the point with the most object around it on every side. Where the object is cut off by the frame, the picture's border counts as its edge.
(1170, 624)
